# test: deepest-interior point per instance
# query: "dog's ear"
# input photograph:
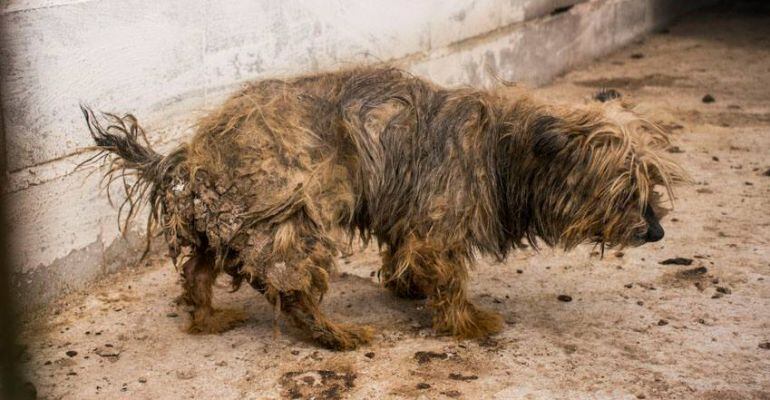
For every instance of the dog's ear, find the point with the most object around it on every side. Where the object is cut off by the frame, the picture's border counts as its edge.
(547, 138)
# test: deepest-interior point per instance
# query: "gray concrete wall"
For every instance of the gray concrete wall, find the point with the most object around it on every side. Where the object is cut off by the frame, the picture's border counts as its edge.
(167, 61)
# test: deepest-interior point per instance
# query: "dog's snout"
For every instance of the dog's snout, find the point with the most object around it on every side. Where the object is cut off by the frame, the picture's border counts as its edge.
(655, 232)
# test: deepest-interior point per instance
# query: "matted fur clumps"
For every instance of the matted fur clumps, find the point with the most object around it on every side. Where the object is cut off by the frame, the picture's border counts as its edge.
(271, 178)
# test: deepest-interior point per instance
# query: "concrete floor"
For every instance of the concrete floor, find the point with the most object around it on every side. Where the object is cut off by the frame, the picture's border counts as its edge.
(634, 329)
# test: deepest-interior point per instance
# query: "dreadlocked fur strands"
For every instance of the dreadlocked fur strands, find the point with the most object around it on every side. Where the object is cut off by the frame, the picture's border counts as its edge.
(272, 180)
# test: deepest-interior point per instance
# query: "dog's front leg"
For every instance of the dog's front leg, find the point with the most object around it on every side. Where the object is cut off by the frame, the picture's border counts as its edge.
(440, 272)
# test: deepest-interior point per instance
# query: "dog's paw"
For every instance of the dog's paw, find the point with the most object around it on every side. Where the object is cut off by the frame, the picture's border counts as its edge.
(215, 321)
(484, 323)
(468, 322)
(344, 337)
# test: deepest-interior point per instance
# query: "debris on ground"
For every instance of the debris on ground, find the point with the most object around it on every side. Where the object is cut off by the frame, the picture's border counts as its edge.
(460, 377)
(317, 384)
(692, 272)
(724, 290)
(605, 95)
(424, 357)
(676, 261)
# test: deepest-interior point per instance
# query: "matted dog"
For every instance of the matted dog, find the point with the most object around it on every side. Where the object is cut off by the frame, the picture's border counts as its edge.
(434, 175)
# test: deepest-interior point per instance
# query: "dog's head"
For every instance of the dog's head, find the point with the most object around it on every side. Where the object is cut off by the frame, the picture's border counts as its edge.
(595, 176)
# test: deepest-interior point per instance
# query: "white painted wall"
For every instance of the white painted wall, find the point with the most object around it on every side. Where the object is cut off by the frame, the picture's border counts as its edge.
(167, 61)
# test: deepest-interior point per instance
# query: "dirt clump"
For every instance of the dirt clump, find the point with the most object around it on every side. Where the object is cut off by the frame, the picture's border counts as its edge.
(460, 377)
(676, 261)
(424, 357)
(696, 272)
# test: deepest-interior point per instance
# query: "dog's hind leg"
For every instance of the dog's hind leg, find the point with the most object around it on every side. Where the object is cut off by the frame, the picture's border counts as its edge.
(199, 275)
(303, 309)
(296, 282)
(441, 273)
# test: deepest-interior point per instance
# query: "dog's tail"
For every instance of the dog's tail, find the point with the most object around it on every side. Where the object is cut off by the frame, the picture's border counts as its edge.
(119, 145)
(121, 138)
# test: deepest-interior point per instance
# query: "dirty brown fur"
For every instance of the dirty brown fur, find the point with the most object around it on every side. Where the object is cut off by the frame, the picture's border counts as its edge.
(434, 175)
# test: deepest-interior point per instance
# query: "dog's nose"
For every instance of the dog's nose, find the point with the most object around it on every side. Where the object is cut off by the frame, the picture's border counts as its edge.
(655, 232)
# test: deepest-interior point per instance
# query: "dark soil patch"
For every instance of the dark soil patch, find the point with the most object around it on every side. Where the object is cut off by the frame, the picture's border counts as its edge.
(318, 384)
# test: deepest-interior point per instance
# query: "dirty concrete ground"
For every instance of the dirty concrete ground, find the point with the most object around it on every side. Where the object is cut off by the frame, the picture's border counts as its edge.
(634, 328)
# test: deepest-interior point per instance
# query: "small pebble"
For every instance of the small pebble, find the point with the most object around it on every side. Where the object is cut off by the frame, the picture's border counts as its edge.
(369, 354)
(565, 298)
(423, 386)
(71, 353)
(708, 99)
(765, 345)
(637, 56)
(662, 322)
